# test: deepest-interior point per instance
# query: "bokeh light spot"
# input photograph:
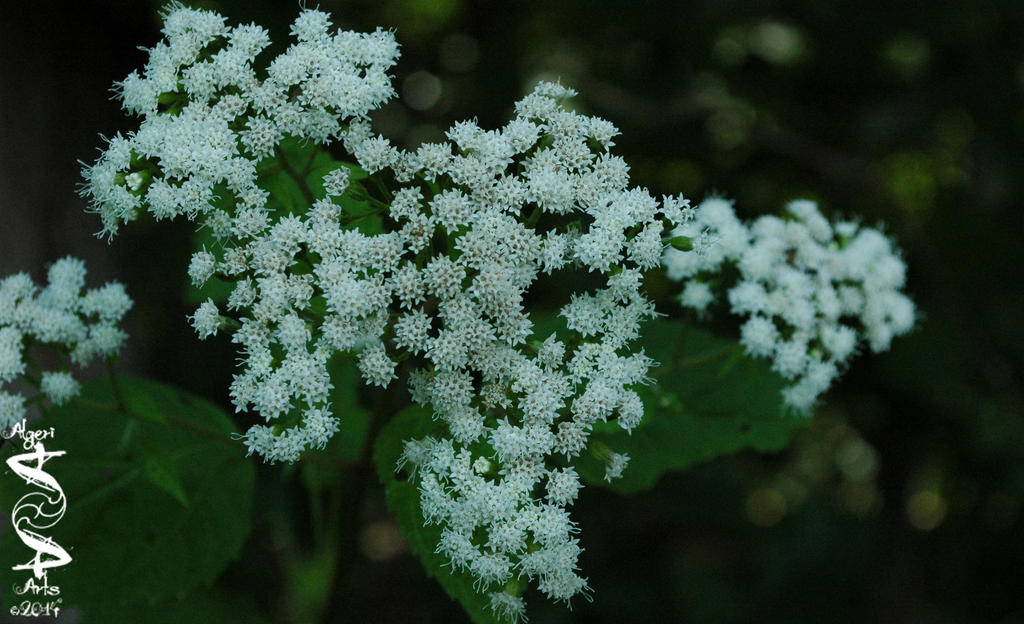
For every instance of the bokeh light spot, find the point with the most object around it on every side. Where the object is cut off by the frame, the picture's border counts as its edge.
(421, 90)
(766, 507)
(777, 42)
(926, 510)
(382, 540)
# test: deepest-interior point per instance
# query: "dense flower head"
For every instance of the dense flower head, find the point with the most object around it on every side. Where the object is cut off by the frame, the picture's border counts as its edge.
(209, 115)
(811, 291)
(416, 262)
(79, 325)
(514, 401)
(517, 402)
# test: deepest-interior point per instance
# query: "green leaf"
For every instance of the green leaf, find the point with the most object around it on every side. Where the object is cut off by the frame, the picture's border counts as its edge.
(708, 399)
(161, 471)
(682, 243)
(310, 162)
(215, 288)
(404, 501)
(143, 403)
(362, 213)
(158, 500)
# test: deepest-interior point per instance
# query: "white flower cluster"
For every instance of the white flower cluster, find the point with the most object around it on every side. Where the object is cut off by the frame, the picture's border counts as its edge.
(811, 290)
(208, 122)
(440, 285)
(208, 119)
(540, 195)
(78, 326)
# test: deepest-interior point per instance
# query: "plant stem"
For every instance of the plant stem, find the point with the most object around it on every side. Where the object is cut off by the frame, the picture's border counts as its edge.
(121, 405)
(348, 525)
(170, 419)
(695, 360)
(534, 217)
(309, 162)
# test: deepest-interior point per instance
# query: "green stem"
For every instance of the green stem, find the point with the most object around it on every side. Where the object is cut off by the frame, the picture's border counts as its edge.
(384, 192)
(533, 218)
(348, 525)
(213, 434)
(309, 162)
(122, 406)
(695, 360)
(170, 419)
(311, 316)
(126, 436)
(101, 491)
(376, 211)
(97, 405)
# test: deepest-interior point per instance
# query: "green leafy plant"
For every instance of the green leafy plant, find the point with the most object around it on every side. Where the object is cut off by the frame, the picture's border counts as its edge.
(467, 317)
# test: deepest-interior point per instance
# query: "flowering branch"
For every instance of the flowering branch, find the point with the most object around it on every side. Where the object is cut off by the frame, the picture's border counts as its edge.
(420, 265)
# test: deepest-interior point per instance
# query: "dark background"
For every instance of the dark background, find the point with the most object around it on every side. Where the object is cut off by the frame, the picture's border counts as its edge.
(901, 503)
